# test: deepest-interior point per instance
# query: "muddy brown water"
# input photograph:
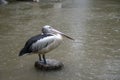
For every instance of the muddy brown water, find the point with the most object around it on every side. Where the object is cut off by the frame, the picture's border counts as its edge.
(94, 55)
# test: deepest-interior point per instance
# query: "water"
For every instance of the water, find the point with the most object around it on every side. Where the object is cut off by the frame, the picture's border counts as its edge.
(94, 55)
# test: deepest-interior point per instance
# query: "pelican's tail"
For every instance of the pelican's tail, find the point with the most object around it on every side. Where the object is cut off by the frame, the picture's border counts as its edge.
(22, 52)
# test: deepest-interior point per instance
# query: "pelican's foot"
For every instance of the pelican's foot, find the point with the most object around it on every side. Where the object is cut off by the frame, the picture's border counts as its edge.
(51, 64)
(42, 62)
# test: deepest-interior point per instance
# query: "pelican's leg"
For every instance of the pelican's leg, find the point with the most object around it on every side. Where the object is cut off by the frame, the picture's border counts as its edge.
(44, 59)
(40, 57)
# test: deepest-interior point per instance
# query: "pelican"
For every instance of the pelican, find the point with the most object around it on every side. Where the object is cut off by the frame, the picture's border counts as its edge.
(43, 43)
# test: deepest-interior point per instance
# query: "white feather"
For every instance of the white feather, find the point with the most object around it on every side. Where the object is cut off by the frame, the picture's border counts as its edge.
(52, 41)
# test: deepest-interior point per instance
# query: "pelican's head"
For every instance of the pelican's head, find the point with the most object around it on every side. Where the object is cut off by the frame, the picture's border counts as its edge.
(50, 30)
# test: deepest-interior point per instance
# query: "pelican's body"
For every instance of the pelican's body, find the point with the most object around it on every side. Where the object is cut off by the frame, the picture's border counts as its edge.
(47, 43)
(43, 43)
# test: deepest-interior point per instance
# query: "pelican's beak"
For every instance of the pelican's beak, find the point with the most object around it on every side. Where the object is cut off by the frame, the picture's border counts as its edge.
(62, 34)
(67, 36)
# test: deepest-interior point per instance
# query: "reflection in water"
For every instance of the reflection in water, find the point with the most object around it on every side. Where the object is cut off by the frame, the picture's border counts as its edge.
(93, 56)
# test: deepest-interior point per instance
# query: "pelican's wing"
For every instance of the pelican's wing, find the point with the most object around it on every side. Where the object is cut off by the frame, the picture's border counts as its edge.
(42, 43)
(28, 45)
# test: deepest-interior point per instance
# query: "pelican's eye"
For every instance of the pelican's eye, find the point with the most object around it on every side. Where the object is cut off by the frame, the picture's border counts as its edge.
(50, 27)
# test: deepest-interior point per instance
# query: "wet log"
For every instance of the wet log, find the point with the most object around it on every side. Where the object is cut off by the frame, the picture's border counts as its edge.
(52, 64)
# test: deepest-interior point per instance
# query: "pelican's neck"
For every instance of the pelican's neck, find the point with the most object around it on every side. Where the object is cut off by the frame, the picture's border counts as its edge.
(47, 34)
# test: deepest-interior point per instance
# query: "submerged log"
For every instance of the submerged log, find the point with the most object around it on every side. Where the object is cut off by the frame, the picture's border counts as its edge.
(52, 64)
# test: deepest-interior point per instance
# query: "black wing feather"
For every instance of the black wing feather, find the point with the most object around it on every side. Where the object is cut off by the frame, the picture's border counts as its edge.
(28, 44)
